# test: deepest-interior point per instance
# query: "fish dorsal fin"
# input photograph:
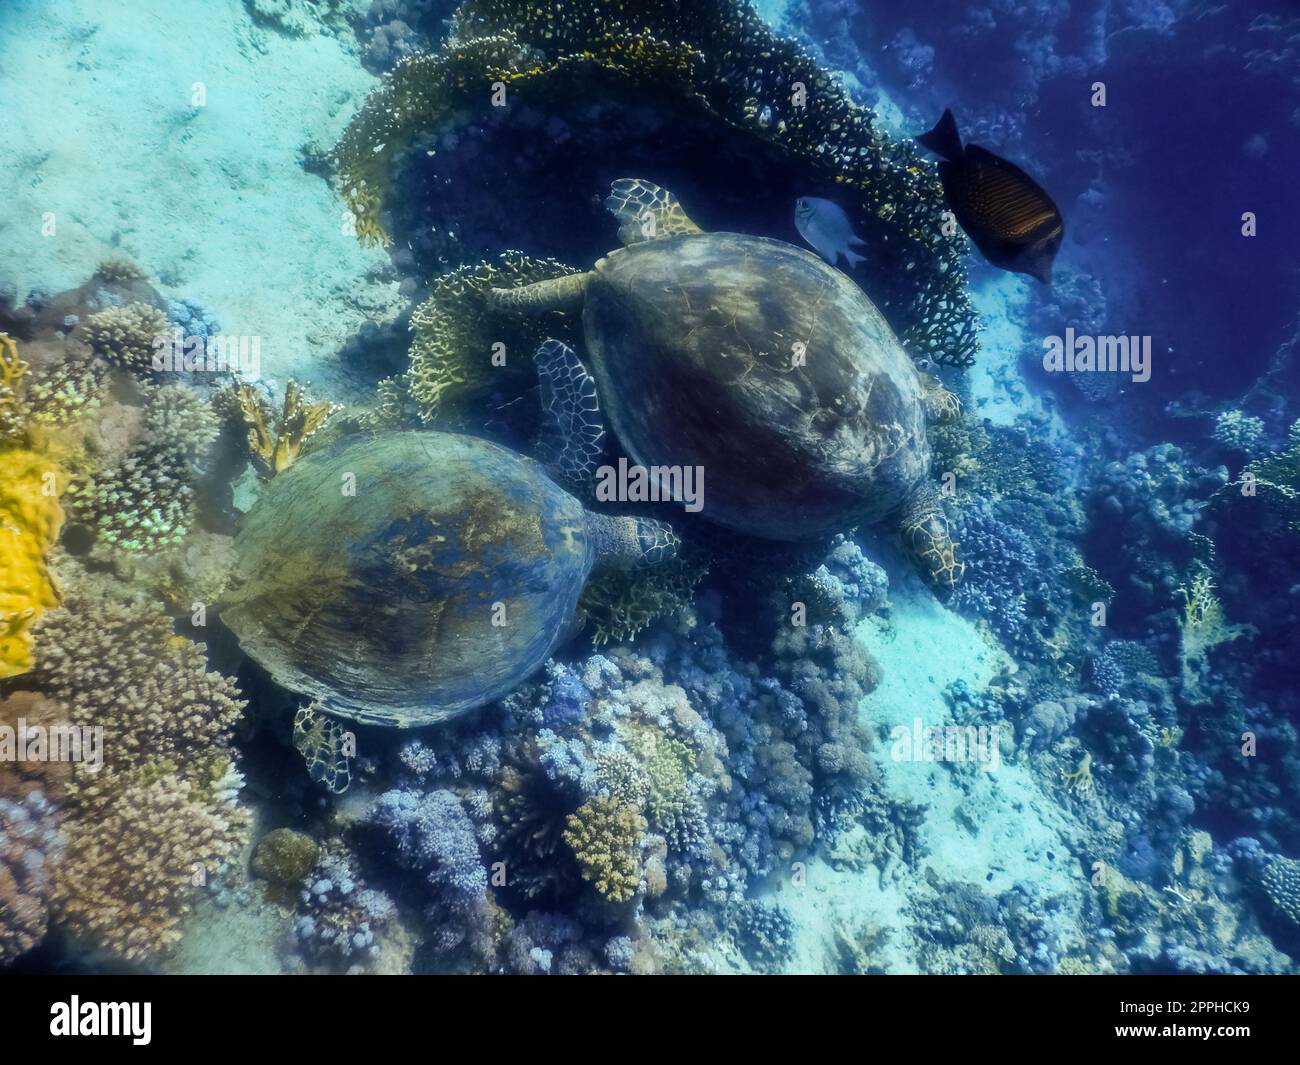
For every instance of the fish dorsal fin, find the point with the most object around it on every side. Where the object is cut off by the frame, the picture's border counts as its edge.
(646, 212)
(573, 438)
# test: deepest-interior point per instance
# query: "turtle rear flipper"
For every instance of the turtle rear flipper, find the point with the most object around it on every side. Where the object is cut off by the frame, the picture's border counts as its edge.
(573, 438)
(646, 212)
(320, 740)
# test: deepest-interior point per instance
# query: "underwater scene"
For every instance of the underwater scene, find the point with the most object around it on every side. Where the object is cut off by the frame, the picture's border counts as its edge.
(649, 487)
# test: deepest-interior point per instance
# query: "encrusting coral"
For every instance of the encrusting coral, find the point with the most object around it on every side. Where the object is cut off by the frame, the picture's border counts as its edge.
(719, 58)
(30, 517)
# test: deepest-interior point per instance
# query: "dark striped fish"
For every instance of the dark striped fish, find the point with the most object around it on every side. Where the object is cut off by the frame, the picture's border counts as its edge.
(1003, 210)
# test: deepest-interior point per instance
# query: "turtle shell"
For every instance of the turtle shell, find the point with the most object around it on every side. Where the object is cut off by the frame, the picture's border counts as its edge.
(405, 578)
(765, 366)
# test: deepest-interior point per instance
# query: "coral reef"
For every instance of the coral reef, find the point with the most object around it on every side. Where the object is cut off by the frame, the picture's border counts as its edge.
(159, 817)
(718, 59)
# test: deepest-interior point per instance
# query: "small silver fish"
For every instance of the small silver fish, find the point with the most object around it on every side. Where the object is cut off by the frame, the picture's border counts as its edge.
(826, 227)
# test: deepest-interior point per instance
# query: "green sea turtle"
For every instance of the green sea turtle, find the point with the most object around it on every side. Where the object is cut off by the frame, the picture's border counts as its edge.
(408, 577)
(757, 363)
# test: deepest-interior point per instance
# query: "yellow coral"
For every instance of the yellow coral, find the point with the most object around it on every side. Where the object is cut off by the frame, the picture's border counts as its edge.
(299, 421)
(1080, 780)
(1204, 628)
(30, 520)
(605, 835)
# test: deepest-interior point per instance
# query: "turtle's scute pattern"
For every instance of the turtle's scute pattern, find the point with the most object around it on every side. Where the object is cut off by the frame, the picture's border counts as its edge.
(756, 361)
(449, 576)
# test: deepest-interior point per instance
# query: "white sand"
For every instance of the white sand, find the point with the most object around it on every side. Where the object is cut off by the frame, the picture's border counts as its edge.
(100, 133)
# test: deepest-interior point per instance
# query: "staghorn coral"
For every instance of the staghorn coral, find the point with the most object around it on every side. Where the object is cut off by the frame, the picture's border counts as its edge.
(454, 333)
(125, 336)
(31, 518)
(299, 422)
(720, 58)
(606, 838)
(31, 846)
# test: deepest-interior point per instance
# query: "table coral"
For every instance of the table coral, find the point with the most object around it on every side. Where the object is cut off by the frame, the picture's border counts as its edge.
(30, 520)
(718, 58)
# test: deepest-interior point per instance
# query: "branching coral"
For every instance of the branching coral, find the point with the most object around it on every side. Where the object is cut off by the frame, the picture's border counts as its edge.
(606, 838)
(299, 422)
(139, 506)
(126, 878)
(1204, 627)
(619, 603)
(159, 817)
(30, 520)
(720, 58)
(125, 336)
(12, 371)
(456, 337)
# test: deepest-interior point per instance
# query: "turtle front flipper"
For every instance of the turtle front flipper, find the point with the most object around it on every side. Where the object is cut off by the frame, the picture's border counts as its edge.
(573, 438)
(927, 536)
(646, 212)
(322, 741)
(556, 294)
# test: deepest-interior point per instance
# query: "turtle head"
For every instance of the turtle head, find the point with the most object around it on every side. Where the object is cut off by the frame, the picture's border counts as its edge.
(628, 542)
(927, 536)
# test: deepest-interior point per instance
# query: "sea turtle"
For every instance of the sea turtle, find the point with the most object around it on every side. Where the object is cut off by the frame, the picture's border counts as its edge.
(408, 577)
(758, 364)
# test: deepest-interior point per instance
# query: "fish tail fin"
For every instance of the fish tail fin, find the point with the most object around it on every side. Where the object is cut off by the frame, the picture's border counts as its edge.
(944, 138)
(855, 239)
(853, 259)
